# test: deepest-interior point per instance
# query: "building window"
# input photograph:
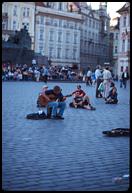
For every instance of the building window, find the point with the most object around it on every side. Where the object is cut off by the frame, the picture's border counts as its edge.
(59, 36)
(123, 45)
(41, 35)
(60, 6)
(89, 22)
(89, 34)
(4, 25)
(74, 54)
(75, 25)
(116, 36)
(124, 21)
(67, 53)
(41, 20)
(115, 49)
(93, 36)
(40, 47)
(50, 52)
(93, 24)
(75, 38)
(96, 25)
(60, 23)
(128, 45)
(51, 35)
(14, 25)
(58, 52)
(96, 37)
(26, 12)
(67, 37)
(48, 4)
(15, 11)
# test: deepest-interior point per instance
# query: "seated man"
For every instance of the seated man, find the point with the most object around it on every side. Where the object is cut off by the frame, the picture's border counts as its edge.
(112, 97)
(54, 100)
(81, 99)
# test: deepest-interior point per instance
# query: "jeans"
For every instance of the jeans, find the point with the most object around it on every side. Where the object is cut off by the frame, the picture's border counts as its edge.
(121, 83)
(54, 105)
(124, 83)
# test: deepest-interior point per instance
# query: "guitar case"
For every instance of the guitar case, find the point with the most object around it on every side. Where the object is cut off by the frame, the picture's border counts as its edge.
(37, 116)
(117, 132)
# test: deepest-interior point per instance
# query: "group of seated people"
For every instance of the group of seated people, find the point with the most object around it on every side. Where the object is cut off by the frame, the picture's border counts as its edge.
(81, 100)
(53, 99)
(112, 97)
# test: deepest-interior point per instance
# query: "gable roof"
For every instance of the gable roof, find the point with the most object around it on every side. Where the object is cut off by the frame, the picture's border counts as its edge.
(124, 8)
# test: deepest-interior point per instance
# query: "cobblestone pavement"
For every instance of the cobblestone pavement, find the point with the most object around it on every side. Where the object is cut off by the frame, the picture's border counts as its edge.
(70, 154)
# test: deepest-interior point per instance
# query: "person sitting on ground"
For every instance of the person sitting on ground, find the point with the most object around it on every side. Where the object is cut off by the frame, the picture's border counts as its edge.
(101, 89)
(81, 99)
(41, 99)
(54, 99)
(112, 97)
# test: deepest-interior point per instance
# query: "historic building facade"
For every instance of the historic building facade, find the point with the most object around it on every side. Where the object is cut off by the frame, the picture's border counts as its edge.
(68, 33)
(57, 33)
(95, 31)
(124, 38)
(16, 15)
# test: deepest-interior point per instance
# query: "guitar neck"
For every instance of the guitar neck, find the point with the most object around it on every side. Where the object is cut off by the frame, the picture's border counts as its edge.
(69, 95)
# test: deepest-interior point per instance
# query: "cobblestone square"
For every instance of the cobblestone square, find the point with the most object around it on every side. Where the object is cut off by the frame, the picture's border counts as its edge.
(70, 154)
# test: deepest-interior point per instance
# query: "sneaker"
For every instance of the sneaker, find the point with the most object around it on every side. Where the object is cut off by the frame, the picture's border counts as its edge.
(75, 105)
(48, 116)
(59, 117)
(93, 108)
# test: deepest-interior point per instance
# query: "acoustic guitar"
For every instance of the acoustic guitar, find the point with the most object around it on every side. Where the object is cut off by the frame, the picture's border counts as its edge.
(42, 101)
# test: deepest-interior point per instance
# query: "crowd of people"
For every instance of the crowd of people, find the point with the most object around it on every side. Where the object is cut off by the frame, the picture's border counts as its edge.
(43, 73)
(39, 73)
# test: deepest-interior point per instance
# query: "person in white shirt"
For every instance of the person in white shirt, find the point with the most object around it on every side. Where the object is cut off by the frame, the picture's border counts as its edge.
(37, 74)
(98, 77)
(106, 81)
(120, 78)
(88, 77)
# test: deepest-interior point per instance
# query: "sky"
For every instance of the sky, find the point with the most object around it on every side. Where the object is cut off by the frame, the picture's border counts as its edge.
(112, 7)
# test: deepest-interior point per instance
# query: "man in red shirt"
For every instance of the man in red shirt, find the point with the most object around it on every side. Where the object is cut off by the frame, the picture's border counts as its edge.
(85, 102)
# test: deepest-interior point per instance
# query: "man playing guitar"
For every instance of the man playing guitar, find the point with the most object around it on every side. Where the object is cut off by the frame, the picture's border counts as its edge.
(54, 99)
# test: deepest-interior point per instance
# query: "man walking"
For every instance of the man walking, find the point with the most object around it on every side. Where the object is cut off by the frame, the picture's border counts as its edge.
(98, 76)
(106, 81)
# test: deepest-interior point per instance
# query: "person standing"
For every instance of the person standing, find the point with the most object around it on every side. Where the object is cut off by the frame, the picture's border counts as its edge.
(106, 81)
(89, 77)
(125, 77)
(98, 77)
(37, 74)
(45, 74)
(120, 78)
